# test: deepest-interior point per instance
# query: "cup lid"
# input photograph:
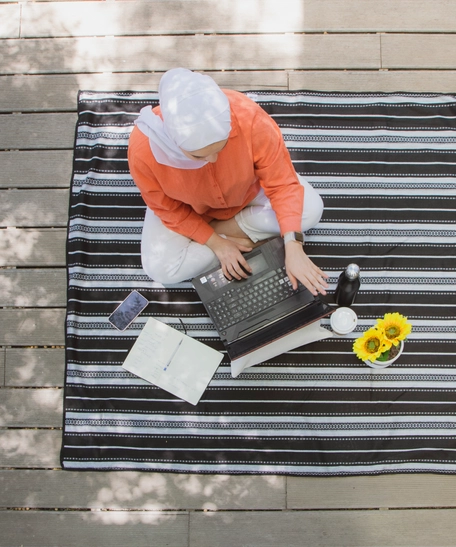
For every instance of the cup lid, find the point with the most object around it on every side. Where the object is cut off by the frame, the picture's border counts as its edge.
(343, 320)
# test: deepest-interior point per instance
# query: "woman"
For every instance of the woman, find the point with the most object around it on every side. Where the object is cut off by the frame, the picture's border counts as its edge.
(217, 179)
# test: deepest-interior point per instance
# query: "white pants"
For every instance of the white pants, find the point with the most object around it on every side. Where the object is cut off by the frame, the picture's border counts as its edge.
(168, 257)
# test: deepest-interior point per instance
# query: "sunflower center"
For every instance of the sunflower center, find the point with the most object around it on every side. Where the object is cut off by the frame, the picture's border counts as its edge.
(372, 345)
(393, 331)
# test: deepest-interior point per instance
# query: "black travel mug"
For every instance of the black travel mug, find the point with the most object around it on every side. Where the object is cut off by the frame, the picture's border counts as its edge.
(347, 286)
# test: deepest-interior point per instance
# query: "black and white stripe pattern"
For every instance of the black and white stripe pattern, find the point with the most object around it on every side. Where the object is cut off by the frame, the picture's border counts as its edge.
(385, 166)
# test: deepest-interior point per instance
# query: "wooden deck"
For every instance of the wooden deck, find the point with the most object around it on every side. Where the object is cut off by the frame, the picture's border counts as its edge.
(49, 50)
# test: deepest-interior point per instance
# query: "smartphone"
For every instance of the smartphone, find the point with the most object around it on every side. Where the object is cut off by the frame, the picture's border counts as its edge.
(128, 310)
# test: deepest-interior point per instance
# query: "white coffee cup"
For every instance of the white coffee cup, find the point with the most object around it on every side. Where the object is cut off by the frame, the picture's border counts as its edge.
(343, 320)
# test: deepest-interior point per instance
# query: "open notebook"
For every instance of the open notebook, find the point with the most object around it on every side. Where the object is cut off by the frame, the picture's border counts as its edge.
(173, 361)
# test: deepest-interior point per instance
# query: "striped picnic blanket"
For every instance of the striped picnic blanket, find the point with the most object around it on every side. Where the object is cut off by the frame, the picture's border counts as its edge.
(385, 167)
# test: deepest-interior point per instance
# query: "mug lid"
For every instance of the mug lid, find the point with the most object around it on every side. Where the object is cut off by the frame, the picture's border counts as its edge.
(344, 320)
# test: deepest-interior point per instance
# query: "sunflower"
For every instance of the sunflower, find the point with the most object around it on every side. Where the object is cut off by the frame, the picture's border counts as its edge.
(395, 327)
(370, 345)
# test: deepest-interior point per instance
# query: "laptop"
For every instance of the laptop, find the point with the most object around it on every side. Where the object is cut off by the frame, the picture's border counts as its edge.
(254, 312)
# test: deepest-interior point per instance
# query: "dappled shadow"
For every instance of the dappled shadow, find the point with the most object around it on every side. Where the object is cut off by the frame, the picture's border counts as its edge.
(34, 367)
(154, 18)
(32, 288)
(32, 247)
(31, 408)
(16, 246)
(175, 491)
(24, 208)
(29, 448)
(70, 45)
(128, 490)
(23, 327)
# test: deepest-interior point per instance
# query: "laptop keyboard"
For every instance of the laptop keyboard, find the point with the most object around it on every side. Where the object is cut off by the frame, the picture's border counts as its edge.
(243, 299)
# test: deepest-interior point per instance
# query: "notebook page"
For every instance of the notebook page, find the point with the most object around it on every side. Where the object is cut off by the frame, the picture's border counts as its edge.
(172, 361)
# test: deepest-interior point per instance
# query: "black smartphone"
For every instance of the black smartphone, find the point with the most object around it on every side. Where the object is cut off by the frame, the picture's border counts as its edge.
(128, 310)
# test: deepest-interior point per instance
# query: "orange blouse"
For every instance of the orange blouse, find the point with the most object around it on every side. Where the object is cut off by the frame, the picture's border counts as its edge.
(255, 156)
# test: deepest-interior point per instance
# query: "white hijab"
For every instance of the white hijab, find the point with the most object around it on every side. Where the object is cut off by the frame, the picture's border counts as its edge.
(196, 113)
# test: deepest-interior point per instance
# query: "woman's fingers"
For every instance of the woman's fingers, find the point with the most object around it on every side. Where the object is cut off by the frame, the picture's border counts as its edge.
(238, 269)
(233, 263)
(301, 268)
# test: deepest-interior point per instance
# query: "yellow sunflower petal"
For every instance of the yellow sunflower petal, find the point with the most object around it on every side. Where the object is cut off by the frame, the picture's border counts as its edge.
(395, 326)
(370, 345)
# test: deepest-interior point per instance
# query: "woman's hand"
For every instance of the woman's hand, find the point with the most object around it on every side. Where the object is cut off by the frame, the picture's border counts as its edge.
(300, 268)
(229, 253)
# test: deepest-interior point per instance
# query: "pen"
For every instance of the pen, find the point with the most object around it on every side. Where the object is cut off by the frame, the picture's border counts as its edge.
(173, 354)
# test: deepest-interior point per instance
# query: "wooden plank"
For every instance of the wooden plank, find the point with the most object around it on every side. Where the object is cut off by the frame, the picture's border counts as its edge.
(37, 448)
(139, 491)
(432, 81)
(77, 528)
(201, 52)
(10, 21)
(428, 51)
(33, 288)
(155, 491)
(2, 366)
(34, 93)
(236, 17)
(26, 208)
(32, 247)
(32, 327)
(379, 16)
(373, 492)
(55, 169)
(39, 169)
(37, 367)
(251, 79)
(32, 407)
(400, 528)
(37, 131)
